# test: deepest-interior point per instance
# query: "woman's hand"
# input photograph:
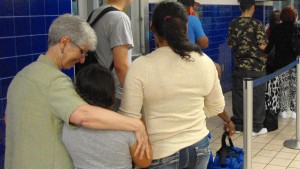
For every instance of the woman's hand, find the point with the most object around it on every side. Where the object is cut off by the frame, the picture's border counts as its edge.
(142, 139)
(230, 128)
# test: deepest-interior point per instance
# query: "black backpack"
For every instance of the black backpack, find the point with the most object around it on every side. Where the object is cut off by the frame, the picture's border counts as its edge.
(91, 58)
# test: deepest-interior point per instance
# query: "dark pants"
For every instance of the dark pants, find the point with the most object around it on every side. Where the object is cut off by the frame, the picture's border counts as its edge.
(259, 110)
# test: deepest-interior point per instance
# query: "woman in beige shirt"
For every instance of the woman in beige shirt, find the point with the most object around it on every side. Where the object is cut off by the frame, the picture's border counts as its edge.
(173, 85)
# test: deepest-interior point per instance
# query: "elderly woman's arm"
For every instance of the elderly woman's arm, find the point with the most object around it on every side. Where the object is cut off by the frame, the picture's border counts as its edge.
(98, 118)
(67, 105)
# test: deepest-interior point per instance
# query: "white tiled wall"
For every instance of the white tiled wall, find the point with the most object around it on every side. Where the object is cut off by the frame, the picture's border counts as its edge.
(219, 2)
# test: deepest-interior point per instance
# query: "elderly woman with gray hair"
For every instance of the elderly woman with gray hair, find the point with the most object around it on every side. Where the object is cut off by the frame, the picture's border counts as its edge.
(41, 99)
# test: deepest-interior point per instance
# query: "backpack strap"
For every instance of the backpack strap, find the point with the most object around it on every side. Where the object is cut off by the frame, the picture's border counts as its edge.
(90, 16)
(102, 13)
(112, 66)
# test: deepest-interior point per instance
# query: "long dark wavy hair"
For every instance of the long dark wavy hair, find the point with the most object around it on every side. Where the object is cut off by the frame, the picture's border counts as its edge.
(169, 21)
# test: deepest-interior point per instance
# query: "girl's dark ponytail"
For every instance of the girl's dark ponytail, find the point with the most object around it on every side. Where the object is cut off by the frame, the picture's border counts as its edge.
(170, 22)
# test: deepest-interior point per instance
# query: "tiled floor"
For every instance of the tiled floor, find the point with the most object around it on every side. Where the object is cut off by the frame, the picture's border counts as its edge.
(267, 150)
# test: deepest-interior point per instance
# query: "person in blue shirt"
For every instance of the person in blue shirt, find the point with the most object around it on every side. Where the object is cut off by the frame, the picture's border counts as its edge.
(196, 33)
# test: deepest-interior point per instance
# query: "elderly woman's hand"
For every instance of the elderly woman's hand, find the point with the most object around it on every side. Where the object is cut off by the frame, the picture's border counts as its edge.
(142, 139)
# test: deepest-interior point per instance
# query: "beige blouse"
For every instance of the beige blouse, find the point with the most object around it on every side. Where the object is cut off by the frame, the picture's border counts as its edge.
(173, 93)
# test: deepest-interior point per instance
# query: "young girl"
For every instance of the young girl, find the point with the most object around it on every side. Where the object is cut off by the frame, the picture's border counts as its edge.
(96, 149)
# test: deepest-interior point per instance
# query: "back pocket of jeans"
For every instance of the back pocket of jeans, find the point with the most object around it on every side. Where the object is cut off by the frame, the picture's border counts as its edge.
(202, 151)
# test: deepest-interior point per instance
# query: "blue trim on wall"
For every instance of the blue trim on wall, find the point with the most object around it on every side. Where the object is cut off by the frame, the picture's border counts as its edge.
(23, 38)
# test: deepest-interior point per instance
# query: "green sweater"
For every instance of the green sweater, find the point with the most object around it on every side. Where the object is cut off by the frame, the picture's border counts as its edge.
(40, 100)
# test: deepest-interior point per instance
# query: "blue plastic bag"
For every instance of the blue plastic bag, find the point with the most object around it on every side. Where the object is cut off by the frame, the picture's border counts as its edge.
(211, 157)
(229, 157)
(211, 161)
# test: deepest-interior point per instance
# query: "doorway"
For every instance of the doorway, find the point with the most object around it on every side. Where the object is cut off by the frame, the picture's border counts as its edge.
(139, 16)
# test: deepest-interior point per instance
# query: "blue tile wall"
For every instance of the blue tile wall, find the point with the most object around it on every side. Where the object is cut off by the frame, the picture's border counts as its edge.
(215, 20)
(2, 142)
(23, 38)
(9, 25)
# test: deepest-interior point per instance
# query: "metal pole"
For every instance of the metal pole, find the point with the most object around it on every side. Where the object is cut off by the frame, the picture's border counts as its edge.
(142, 24)
(248, 122)
(295, 143)
(83, 9)
(96, 4)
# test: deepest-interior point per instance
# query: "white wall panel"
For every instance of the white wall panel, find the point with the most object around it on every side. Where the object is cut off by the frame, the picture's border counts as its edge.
(220, 2)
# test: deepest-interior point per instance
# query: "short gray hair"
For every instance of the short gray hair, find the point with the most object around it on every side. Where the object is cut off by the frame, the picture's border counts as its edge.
(76, 28)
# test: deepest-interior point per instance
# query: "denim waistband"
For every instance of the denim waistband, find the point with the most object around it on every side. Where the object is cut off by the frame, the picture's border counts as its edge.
(186, 157)
(191, 151)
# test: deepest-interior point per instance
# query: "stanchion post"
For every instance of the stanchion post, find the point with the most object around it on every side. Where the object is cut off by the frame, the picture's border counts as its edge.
(297, 105)
(295, 143)
(248, 121)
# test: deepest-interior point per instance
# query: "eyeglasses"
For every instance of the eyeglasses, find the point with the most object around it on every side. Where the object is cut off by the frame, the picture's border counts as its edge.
(83, 53)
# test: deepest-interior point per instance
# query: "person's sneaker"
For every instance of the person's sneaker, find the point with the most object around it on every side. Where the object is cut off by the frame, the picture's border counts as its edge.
(261, 132)
(293, 115)
(283, 114)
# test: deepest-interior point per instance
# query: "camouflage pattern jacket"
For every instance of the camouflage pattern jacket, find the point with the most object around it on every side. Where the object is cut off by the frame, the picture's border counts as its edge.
(245, 36)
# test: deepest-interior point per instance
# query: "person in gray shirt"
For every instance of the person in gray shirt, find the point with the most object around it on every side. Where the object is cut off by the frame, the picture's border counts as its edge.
(96, 149)
(115, 39)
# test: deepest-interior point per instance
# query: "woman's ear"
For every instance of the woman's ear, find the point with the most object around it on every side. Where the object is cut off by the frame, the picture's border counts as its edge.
(64, 41)
(151, 27)
(158, 39)
(253, 7)
(153, 30)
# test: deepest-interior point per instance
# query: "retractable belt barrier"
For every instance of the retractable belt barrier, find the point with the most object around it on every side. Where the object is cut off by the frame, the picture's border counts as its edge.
(263, 80)
(248, 86)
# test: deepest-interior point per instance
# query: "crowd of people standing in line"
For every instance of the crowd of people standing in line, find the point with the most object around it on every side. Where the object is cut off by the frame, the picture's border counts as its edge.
(282, 33)
(162, 99)
(258, 52)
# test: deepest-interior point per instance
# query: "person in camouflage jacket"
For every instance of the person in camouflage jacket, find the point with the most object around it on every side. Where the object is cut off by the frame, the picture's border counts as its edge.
(247, 38)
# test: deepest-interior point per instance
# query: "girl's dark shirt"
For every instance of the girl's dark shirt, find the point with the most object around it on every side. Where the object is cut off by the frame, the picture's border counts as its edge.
(281, 38)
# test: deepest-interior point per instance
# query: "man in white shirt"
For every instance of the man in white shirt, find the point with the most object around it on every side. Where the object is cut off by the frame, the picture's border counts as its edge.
(115, 45)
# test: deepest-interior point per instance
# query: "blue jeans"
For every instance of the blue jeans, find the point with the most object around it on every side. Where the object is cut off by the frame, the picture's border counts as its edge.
(193, 157)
